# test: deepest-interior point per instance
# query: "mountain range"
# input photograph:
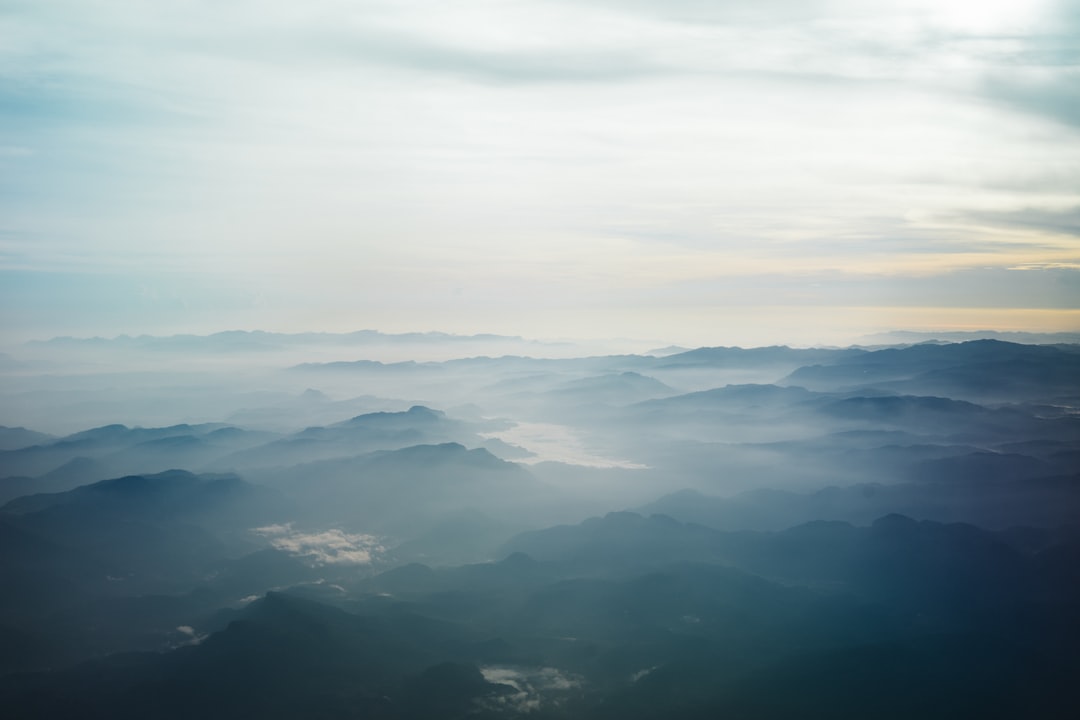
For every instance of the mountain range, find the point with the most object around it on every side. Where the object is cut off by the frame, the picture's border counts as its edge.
(765, 532)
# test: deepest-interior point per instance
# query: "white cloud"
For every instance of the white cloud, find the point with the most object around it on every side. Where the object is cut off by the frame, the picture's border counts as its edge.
(534, 687)
(327, 547)
(190, 636)
(333, 157)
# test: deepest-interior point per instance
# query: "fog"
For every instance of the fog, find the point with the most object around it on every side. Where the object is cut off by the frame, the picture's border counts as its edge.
(480, 526)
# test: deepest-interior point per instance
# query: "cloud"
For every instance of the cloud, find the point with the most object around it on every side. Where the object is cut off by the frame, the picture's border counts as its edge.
(1038, 71)
(642, 673)
(189, 636)
(556, 443)
(534, 687)
(1054, 94)
(327, 547)
(710, 11)
(284, 165)
(1063, 221)
(556, 65)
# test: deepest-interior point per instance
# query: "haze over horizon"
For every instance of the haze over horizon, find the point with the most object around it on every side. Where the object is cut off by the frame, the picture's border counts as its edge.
(685, 172)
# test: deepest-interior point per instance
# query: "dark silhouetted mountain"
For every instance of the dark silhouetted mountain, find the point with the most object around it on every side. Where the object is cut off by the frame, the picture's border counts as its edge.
(283, 658)
(619, 542)
(955, 676)
(151, 531)
(86, 566)
(166, 495)
(516, 574)
(457, 537)
(952, 569)
(1013, 380)
(989, 468)
(941, 610)
(994, 502)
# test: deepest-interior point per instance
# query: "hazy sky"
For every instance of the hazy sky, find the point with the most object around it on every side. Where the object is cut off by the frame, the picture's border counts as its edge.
(692, 171)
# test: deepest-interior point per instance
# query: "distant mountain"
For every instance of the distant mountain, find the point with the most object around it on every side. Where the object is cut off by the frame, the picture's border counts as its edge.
(256, 340)
(408, 491)
(15, 438)
(976, 369)
(310, 408)
(953, 420)
(404, 366)
(488, 366)
(756, 357)
(733, 398)
(506, 451)
(733, 413)
(906, 544)
(616, 388)
(172, 494)
(669, 350)
(912, 337)
(1046, 380)
(787, 436)
(97, 443)
(113, 450)
(361, 434)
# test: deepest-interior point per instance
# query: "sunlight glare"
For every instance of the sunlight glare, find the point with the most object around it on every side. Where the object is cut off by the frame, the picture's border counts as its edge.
(986, 16)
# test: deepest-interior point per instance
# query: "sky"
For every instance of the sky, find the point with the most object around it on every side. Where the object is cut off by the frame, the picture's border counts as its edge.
(702, 173)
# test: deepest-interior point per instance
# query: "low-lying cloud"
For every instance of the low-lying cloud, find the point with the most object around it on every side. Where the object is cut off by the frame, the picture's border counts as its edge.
(327, 547)
(534, 688)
